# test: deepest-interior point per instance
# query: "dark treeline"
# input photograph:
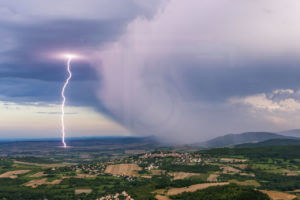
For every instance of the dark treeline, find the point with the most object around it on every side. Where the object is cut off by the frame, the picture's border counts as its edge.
(199, 168)
(258, 153)
(227, 192)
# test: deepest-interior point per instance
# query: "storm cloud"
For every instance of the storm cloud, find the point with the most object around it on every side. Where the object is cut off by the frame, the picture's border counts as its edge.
(183, 71)
(175, 76)
(33, 30)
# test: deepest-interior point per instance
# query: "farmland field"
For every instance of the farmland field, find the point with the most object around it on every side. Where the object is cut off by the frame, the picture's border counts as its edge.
(161, 172)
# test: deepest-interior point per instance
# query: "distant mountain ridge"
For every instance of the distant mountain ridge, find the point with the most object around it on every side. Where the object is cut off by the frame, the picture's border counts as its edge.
(291, 133)
(248, 137)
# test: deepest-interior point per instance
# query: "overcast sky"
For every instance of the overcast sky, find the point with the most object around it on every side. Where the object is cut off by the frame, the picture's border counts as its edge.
(185, 71)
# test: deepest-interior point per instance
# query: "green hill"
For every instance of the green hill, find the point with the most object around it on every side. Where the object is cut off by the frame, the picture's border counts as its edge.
(227, 192)
(272, 142)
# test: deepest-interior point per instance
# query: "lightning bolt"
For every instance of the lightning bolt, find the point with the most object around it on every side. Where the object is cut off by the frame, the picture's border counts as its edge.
(64, 100)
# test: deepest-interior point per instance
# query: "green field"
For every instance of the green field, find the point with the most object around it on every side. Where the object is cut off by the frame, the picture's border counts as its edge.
(247, 169)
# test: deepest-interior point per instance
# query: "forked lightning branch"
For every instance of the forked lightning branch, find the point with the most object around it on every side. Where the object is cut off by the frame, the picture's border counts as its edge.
(63, 132)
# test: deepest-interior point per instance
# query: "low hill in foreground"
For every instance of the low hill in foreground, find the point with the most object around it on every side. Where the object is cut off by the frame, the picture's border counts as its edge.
(223, 193)
(262, 152)
(272, 142)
